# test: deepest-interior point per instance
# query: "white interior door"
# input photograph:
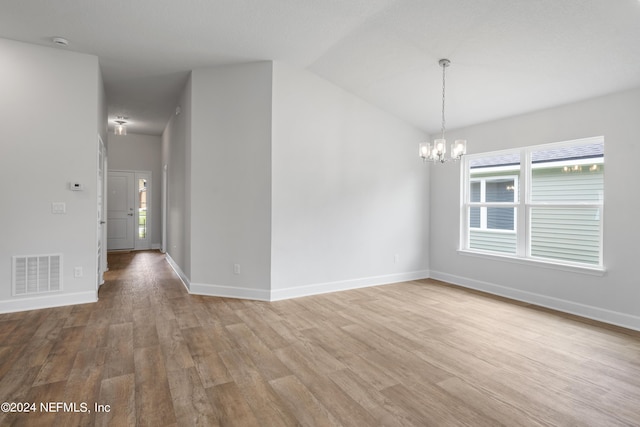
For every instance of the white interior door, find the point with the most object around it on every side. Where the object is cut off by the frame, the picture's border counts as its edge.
(120, 212)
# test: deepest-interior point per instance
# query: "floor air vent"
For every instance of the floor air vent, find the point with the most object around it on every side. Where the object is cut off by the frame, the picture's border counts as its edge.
(35, 274)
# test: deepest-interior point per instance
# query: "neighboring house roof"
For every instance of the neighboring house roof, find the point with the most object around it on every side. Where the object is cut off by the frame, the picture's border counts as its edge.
(587, 151)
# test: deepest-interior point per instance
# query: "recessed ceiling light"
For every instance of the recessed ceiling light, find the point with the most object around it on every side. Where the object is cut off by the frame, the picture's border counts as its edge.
(60, 41)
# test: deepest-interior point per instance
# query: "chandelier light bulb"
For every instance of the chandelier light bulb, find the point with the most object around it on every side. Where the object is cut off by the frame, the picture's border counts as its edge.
(459, 148)
(424, 150)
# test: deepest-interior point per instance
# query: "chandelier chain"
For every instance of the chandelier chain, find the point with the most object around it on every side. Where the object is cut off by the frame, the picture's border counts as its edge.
(443, 91)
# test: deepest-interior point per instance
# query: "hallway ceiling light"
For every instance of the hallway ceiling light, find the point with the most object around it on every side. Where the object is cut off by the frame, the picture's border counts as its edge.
(436, 153)
(120, 129)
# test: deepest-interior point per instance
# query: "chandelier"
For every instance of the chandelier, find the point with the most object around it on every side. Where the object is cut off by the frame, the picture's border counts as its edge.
(437, 151)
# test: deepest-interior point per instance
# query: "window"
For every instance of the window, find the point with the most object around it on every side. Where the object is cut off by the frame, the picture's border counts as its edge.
(542, 203)
(142, 208)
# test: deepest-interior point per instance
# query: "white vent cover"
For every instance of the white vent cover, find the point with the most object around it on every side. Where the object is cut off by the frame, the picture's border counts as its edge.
(35, 274)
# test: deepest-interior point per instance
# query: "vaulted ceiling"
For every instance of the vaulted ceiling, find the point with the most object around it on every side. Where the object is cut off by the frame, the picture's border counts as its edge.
(508, 56)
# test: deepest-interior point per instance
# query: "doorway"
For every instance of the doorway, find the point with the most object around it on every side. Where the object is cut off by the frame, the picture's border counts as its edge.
(129, 210)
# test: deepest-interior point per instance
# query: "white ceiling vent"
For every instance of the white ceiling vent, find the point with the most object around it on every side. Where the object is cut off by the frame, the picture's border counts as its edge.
(35, 274)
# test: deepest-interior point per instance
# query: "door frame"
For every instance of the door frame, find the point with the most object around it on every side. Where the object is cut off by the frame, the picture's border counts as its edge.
(102, 213)
(165, 180)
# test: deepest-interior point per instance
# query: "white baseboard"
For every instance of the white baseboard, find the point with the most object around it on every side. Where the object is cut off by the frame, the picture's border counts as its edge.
(49, 300)
(301, 291)
(344, 285)
(183, 277)
(229, 291)
(590, 312)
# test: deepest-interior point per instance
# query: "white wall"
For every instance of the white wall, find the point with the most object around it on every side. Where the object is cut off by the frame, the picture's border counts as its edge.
(614, 297)
(304, 186)
(49, 112)
(176, 155)
(143, 153)
(349, 191)
(231, 180)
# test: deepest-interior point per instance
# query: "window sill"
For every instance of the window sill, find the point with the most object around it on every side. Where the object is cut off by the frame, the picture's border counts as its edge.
(593, 271)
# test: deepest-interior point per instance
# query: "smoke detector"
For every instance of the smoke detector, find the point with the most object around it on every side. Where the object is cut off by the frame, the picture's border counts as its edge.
(60, 41)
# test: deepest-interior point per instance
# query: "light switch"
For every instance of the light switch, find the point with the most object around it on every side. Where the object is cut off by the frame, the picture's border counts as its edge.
(58, 207)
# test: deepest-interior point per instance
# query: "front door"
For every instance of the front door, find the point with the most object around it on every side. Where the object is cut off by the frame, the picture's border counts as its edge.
(120, 212)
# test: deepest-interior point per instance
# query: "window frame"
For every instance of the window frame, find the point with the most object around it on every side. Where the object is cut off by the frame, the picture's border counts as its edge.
(523, 206)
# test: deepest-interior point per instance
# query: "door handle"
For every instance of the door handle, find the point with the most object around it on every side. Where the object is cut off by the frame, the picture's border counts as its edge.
(103, 222)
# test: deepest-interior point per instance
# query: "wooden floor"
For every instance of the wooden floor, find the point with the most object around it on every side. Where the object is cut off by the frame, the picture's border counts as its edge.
(416, 353)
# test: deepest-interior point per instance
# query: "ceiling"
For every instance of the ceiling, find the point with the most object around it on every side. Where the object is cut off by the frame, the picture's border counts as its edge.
(507, 56)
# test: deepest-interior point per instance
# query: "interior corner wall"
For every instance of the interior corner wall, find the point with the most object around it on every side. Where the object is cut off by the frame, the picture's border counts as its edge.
(614, 297)
(350, 194)
(43, 91)
(175, 154)
(231, 180)
(143, 153)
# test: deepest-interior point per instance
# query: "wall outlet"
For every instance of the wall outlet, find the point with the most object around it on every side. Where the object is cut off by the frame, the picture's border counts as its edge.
(77, 272)
(236, 268)
(396, 258)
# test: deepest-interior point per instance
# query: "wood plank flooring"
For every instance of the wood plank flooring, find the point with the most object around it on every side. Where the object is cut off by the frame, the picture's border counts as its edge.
(410, 354)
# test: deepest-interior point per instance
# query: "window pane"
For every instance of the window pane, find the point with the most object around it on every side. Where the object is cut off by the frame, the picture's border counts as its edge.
(568, 174)
(500, 218)
(567, 234)
(498, 174)
(493, 160)
(492, 241)
(475, 191)
(474, 217)
(500, 190)
(142, 211)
